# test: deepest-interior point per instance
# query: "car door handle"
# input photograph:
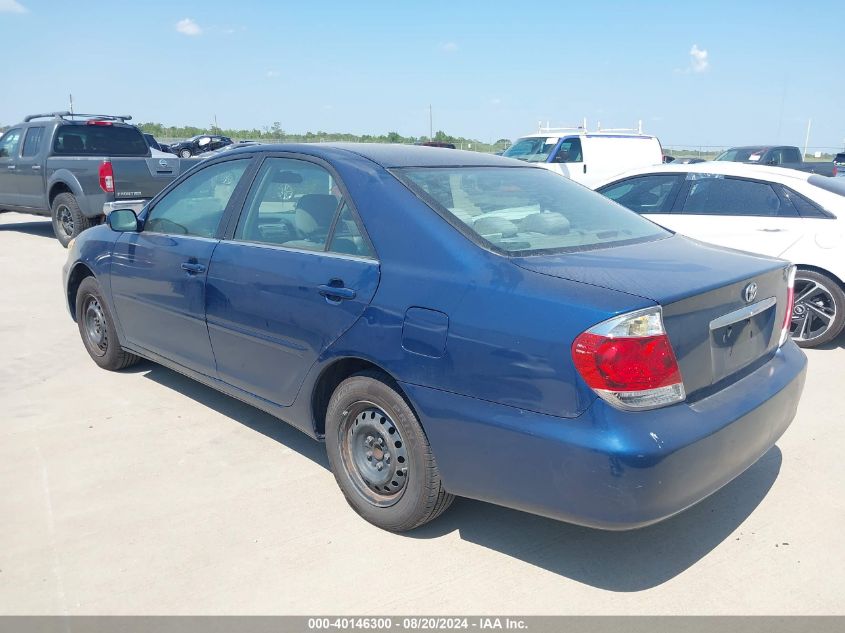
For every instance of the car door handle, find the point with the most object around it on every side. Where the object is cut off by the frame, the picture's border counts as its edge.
(10, 166)
(772, 230)
(193, 268)
(36, 167)
(336, 292)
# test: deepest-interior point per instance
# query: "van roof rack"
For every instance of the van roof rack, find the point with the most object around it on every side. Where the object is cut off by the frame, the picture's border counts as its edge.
(582, 129)
(73, 115)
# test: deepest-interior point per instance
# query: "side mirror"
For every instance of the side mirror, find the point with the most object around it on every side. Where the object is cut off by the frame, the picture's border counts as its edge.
(123, 221)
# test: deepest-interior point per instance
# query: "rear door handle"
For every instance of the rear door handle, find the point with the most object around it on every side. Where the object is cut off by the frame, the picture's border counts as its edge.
(36, 166)
(10, 166)
(336, 292)
(193, 268)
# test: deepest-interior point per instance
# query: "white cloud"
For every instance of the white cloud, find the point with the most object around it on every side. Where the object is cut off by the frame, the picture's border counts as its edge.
(188, 27)
(272, 74)
(449, 47)
(11, 6)
(698, 59)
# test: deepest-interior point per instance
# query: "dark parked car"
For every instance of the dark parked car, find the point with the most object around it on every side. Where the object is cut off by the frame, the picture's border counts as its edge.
(452, 323)
(839, 164)
(787, 156)
(199, 145)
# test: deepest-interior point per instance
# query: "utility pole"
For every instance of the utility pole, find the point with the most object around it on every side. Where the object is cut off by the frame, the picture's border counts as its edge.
(807, 138)
(430, 124)
(70, 97)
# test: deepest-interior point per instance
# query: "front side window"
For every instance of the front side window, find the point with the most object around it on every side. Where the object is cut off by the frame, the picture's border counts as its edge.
(645, 194)
(196, 205)
(569, 151)
(32, 141)
(527, 211)
(294, 203)
(532, 149)
(9, 143)
(716, 195)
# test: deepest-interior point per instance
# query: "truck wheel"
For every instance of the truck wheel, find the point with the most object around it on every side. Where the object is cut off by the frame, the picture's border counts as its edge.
(68, 219)
(380, 455)
(96, 326)
(818, 315)
(184, 153)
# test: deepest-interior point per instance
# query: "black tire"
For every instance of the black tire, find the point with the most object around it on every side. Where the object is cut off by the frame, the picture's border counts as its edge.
(817, 294)
(68, 219)
(184, 153)
(96, 327)
(408, 499)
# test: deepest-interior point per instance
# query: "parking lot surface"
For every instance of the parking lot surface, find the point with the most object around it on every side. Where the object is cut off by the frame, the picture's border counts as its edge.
(144, 492)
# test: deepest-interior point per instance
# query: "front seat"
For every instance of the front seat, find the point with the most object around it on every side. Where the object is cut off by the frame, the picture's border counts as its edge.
(314, 213)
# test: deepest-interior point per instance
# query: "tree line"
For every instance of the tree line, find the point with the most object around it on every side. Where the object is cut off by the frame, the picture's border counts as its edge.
(276, 134)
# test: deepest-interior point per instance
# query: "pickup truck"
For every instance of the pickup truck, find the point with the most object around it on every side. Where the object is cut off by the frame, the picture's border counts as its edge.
(787, 156)
(76, 168)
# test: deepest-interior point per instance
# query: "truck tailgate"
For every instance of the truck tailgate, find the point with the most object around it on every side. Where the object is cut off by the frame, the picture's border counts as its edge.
(144, 177)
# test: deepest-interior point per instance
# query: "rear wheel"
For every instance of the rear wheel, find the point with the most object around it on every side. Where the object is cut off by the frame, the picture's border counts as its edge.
(68, 219)
(818, 315)
(380, 455)
(185, 153)
(96, 327)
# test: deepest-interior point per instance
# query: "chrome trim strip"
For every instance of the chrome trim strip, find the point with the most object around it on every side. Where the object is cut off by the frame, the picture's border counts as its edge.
(742, 314)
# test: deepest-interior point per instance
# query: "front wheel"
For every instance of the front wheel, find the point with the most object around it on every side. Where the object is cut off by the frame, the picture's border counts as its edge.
(380, 455)
(185, 153)
(68, 219)
(96, 327)
(818, 314)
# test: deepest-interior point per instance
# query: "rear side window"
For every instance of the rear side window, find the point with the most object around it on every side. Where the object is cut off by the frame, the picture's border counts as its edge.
(9, 143)
(715, 195)
(804, 207)
(654, 193)
(100, 140)
(32, 141)
(526, 211)
(297, 204)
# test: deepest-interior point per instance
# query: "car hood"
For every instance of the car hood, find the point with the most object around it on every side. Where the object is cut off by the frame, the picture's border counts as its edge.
(664, 270)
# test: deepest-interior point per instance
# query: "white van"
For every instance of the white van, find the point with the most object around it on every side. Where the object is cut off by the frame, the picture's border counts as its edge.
(588, 157)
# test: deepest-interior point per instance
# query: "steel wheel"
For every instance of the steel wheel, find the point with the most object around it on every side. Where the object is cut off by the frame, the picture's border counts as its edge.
(65, 218)
(96, 331)
(374, 454)
(814, 311)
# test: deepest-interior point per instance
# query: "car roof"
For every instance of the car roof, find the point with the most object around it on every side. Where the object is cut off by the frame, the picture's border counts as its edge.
(725, 168)
(390, 155)
(574, 133)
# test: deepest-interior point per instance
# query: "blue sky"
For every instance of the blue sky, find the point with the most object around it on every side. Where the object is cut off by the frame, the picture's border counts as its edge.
(696, 73)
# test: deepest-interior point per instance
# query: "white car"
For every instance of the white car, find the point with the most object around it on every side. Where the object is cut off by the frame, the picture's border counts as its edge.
(587, 157)
(768, 210)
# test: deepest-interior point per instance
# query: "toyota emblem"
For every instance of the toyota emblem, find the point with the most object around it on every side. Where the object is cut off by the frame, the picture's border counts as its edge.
(750, 292)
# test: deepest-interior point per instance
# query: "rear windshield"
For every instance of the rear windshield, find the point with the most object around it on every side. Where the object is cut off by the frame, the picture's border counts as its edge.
(741, 154)
(532, 149)
(526, 211)
(100, 140)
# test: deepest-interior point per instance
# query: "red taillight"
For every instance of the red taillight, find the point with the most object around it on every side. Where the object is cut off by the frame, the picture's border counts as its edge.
(102, 123)
(790, 303)
(629, 362)
(106, 177)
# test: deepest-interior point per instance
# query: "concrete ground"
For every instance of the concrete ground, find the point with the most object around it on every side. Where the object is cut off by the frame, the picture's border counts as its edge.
(143, 492)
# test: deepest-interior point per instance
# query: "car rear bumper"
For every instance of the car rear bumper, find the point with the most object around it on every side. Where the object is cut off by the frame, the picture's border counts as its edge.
(135, 205)
(610, 469)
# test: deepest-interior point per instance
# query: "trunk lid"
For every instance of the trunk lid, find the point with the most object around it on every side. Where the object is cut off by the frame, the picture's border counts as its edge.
(717, 333)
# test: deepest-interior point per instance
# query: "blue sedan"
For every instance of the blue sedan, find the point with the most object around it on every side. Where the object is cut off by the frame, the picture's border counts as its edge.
(452, 323)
